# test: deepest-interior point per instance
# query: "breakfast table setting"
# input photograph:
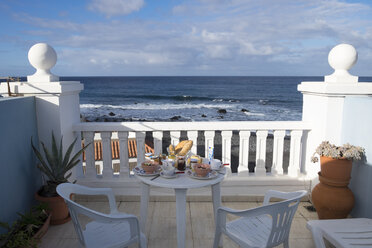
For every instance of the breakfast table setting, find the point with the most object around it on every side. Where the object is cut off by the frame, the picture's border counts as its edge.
(179, 170)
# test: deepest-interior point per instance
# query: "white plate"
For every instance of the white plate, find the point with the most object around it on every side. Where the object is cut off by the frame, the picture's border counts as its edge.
(168, 177)
(141, 172)
(211, 175)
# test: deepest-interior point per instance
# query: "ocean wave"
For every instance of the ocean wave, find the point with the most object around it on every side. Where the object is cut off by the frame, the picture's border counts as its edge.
(144, 106)
(254, 114)
(173, 97)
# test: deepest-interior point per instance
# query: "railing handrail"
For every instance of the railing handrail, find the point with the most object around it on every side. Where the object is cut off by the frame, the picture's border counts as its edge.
(191, 126)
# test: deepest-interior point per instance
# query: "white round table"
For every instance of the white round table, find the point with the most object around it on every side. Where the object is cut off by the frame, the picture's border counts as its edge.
(180, 186)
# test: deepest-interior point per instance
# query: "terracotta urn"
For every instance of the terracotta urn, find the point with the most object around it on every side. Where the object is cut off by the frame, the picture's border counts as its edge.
(331, 197)
(57, 208)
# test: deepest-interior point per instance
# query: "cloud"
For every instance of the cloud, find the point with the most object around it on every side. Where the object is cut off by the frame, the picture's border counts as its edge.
(116, 7)
(221, 37)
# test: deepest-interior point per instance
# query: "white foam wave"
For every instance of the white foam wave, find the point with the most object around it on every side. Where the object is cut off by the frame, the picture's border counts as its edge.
(254, 114)
(142, 106)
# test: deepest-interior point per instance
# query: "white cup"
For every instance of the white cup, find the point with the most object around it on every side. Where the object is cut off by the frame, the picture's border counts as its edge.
(169, 171)
(216, 164)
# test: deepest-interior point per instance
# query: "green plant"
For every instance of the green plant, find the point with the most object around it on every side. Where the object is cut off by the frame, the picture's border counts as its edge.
(345, 151)
(56, 165)
(21, 233)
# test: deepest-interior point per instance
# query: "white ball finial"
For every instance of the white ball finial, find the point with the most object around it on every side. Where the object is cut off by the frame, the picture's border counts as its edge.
(341, 58)
(42, 57)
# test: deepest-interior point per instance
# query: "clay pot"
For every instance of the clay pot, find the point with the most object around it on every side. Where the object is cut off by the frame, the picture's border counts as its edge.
(56, 207)
(332, 198)
(338, 169)
(44, 228)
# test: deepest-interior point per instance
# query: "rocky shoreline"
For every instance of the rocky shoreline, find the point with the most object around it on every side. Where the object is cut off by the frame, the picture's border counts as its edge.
(113, 117)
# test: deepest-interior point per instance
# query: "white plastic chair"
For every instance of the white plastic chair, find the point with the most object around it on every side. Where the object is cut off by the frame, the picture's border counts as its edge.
(345, 233)
(106, 230)
(264, 226)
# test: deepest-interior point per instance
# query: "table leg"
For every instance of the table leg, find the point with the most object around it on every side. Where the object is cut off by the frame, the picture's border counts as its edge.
(216, 197)
(145, 192)
(181, 216)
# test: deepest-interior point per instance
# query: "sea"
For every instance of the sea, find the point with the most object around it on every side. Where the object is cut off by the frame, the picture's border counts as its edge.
(191, 98)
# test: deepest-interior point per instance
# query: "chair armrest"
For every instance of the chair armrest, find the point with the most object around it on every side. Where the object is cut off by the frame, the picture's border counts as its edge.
(111, 198)
(252, 212)
(99, 191)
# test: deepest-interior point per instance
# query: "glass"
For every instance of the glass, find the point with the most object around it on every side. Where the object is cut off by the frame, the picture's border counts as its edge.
(181, 163)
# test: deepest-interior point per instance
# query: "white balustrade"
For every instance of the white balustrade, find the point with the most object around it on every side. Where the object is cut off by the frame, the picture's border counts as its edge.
(278, 149)
(244, 150)
(123, 151)
(158, 142)
(121, 132)
(209, 141)
(260, 169)
(295, 153)
(106, 151)
(193, 135)
(175, 137)
(226, 146)
(140, 139)
(89, 154)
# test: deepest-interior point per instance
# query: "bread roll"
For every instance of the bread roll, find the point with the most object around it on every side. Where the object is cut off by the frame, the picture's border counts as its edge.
(180, 145)
(185, 148)
(171, 149)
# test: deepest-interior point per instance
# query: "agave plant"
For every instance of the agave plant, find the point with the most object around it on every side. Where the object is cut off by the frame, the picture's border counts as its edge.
(56, 165)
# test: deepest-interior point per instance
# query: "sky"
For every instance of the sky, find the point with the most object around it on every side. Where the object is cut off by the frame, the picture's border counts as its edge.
(185, 38)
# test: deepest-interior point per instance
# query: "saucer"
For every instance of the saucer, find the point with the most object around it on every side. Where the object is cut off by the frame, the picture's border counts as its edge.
(141, 172)
(168, 177)
(211, 175)
(220, 168)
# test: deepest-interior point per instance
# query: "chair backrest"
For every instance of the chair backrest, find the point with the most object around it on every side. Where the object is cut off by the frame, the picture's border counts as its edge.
(65, 190)
(282, 214)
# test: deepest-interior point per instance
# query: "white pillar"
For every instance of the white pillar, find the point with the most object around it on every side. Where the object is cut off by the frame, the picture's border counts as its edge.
(57, 102)
(323, 102)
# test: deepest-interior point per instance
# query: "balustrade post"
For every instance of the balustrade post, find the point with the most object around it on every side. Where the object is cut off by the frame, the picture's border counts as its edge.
(90, 168)
(261, 137)
(278, 149)
(193, 135)
(123, 152)
(106, 152)
(244, 150)
(175, 137)
(209, 141)
(158, 142)
(140, 139)
(295, 153)
(226, 147)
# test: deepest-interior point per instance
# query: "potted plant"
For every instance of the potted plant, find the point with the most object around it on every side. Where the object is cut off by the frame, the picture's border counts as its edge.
(28, 230)
(56, 167)
(331, 197)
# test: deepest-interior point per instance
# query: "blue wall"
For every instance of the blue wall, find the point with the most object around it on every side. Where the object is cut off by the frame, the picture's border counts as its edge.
(19, 177)
(357, 130)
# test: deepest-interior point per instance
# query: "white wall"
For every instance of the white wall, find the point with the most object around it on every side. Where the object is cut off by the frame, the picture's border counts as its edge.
(357, 124)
